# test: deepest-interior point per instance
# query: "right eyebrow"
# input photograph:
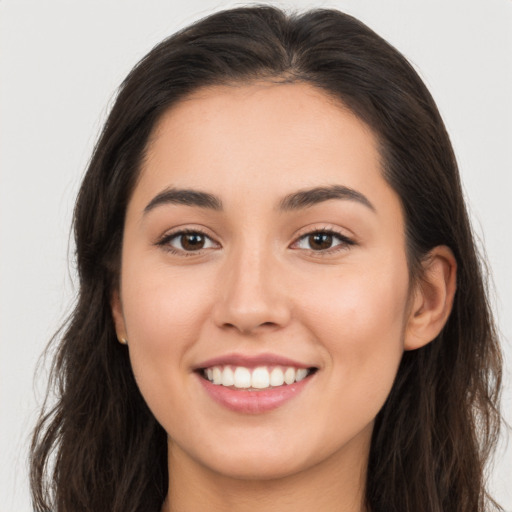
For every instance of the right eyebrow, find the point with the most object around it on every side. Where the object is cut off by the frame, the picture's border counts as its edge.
(310, 197)
(186, 197)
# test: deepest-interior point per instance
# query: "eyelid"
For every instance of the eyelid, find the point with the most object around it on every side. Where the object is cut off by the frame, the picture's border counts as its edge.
(325, 228)
(346, 240)
(163, 241)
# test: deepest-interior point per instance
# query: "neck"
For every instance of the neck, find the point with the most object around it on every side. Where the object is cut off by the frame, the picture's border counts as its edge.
(336, 483)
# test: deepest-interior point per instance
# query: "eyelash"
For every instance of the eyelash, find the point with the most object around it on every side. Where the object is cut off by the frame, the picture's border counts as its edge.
(345, 242)
(164, 242)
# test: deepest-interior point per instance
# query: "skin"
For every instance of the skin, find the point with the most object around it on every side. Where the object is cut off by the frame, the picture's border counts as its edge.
(257, 287)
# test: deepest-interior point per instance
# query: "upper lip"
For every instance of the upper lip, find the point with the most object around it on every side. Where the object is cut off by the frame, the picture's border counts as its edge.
(251, 361)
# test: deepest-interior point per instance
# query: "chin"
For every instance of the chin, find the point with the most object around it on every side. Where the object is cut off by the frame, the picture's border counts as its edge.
(253, 461)
(259, 468)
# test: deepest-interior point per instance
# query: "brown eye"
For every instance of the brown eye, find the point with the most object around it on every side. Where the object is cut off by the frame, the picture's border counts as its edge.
(320, 241)
(323, 241)
(187, 242)
(192, 241)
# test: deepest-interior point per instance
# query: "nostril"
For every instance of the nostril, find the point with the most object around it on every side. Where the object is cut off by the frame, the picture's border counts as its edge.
(247, 328)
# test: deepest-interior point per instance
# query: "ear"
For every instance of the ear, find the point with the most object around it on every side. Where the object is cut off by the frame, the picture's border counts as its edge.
(432, 298)
(117, 315)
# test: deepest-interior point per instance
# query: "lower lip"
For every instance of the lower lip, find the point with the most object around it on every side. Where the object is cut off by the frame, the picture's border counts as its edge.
(253, 402)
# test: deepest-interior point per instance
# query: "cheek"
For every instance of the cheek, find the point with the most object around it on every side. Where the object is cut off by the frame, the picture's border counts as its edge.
(164, 313)
(163, 307)
(356, 301)
(359, 319)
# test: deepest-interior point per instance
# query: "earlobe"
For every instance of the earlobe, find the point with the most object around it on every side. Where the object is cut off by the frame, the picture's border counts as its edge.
(117, 315)
(433, 298)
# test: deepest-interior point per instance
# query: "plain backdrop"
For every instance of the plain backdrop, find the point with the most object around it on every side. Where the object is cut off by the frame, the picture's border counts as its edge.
(60, 64)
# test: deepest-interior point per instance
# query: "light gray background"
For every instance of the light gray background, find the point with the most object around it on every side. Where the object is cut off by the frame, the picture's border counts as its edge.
(60, 64)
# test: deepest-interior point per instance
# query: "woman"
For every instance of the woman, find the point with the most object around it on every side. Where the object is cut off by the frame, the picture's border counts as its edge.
(281, 306)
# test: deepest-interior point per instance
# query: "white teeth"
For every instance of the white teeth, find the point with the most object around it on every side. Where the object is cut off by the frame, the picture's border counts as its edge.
(228, 379)
(257, 378)
(289, 375)
(301, 374)
(242, 377)
(277, 377)
(260, 378)
(217, 375)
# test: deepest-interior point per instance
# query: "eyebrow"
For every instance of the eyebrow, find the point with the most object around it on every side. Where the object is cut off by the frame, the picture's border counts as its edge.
(295, 201)
(310, 197)
(186, 197)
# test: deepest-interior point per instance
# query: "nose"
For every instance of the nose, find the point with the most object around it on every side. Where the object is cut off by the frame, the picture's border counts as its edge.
(252, 297)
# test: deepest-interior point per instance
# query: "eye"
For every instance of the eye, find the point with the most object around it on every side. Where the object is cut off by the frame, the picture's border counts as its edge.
(187, 241)
(323, 241)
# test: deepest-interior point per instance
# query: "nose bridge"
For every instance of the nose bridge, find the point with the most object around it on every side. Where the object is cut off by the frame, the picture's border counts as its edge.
(251, 292)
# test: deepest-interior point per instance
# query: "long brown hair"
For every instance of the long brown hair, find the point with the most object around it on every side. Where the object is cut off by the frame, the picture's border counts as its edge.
(100, 449)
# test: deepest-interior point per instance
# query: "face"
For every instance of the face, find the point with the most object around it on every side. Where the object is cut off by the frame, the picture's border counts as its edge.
(263, 251)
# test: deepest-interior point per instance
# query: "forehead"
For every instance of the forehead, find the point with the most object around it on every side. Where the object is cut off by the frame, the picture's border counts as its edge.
(257, 126)
(253, 146)
(256, 143)
(260, 109)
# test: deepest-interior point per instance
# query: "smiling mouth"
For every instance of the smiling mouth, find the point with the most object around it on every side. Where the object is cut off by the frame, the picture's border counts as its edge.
(255, 379)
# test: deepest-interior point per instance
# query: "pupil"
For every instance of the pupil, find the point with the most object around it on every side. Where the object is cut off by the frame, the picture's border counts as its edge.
(320, 241)
(192, 241)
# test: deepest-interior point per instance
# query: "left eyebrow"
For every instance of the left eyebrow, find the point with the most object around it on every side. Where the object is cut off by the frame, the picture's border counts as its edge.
(310, 197)
(187, 197)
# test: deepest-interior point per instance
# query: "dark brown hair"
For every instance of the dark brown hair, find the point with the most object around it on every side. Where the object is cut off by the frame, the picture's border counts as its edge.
(100, 449)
